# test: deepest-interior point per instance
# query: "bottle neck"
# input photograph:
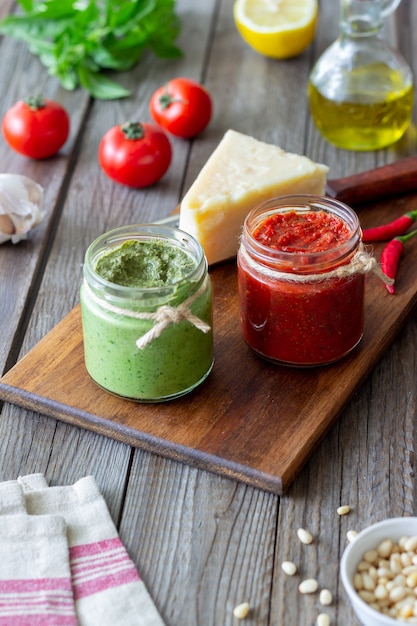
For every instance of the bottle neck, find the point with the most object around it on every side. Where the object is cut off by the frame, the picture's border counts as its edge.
(360, 18)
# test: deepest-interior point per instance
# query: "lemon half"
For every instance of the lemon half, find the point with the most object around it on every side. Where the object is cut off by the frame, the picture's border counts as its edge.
(276, 28)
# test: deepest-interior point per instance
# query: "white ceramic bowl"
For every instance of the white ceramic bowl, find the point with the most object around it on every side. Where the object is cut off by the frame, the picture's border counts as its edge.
(369, 538)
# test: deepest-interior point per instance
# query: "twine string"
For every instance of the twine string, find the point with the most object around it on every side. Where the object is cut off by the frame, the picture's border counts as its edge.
(163, 316)
(361, 263)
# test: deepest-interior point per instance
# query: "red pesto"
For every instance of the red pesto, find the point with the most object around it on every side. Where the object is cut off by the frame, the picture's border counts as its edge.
(293, 231)
(310, 323)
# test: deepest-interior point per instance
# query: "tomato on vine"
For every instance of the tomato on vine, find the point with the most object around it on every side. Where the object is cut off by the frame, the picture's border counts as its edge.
(183, 107)
(135, 154)
(36, 127)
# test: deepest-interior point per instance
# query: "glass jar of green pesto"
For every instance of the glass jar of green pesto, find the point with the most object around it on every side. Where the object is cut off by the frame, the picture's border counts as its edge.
(146, 307)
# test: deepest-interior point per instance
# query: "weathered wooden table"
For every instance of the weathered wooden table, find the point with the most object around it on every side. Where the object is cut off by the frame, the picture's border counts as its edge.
(202, 542)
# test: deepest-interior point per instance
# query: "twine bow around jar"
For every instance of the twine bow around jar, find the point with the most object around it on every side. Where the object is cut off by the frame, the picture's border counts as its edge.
(163, 316)
(361, 263)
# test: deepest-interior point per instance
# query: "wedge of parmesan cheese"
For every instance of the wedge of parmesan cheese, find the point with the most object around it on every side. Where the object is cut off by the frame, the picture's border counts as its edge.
(241, 173)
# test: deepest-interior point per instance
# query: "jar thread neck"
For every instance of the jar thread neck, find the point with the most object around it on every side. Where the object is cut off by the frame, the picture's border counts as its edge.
(360, 263)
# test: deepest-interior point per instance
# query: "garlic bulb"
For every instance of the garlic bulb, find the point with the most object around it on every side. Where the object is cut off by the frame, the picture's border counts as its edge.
(20, 206)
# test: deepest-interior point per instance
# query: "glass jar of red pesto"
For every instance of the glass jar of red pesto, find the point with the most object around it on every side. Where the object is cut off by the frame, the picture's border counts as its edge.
(293, 309)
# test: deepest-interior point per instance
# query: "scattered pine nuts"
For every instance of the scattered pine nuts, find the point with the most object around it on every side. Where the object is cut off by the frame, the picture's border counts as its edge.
(351, 535)
(289, 568)
(326, 597)
(241, 610)
(309, 585)
(304, 536)
(343, 510)
(323, 620)
(386, 578)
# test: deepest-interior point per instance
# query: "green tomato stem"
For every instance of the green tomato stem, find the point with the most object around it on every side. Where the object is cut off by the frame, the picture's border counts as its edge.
(132, 130)
(35, 102)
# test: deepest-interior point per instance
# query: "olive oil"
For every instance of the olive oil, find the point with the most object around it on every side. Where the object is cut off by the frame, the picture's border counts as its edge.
(360, 89)
(368, 119)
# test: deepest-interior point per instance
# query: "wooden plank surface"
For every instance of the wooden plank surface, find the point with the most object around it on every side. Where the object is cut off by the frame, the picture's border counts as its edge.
(250, 420)
(203, 542)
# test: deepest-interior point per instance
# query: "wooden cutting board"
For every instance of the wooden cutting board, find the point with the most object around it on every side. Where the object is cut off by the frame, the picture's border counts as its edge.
(250, 420)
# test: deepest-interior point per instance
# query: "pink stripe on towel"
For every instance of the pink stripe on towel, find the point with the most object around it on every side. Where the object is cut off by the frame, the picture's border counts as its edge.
(99, 566)
(37, 602)
(98, 547)
(35, 584)
(38, 620)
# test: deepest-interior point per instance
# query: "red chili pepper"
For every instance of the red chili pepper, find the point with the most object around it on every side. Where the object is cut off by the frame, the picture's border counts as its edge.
(390, 230)
(391, 255)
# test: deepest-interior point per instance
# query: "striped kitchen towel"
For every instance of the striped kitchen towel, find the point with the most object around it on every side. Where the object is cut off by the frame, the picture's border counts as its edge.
(106, 586)
(35, 578)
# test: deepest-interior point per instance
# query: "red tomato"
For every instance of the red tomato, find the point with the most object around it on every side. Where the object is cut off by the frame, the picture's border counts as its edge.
(35, 127)
(183, 107)
(135, 154)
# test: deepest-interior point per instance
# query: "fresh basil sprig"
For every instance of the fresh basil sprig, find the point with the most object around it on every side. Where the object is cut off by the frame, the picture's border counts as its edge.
(77, 40)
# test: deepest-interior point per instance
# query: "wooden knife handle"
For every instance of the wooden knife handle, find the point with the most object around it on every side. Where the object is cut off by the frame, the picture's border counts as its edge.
(377, 184)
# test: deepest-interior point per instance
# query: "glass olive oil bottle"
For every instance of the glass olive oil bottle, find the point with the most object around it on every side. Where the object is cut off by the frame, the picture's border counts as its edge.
(361, 91)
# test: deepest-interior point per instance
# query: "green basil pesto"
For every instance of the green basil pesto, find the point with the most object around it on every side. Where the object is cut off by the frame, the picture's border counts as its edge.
(145, 264)
(142, 283)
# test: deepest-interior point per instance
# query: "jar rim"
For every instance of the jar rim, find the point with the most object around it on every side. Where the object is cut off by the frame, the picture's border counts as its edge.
(115, 237)
(303, 203)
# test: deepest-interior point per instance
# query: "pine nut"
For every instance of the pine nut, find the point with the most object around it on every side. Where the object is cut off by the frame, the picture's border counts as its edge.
(326, 597)
(381, 592)
(395, 563)
(289, 568)
(241, 610)
(351, 535)
(411, 580)
(309, 585)
(410, 544)
(343, 510)
(399, 580)
(385, 548)
(370, 556)
(397, 594)
(357, 582)
(304, 536)
(385, 572)
(368, 596)
(323, 620)
(368, 582)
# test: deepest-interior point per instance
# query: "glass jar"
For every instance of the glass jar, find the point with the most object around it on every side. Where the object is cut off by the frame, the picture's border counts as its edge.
(302, 306)
(149, 343)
